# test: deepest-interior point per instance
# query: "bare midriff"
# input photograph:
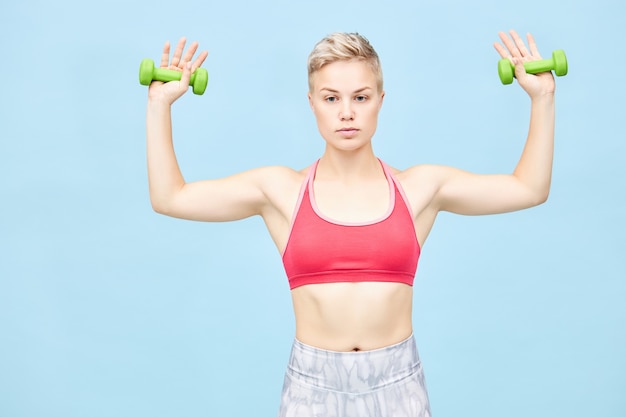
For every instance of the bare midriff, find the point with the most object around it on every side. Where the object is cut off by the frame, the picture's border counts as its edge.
(353, 316)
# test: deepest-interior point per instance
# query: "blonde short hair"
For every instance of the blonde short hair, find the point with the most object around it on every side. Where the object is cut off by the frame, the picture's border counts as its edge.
(340, 46)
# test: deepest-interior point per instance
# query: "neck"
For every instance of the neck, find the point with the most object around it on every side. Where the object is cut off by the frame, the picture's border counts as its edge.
(335, 164)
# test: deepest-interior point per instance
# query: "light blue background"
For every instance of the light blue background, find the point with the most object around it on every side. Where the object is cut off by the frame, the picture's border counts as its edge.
(108, 309)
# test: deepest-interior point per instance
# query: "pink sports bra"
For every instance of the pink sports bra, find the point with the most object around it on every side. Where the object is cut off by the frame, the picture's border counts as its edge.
(321, 250)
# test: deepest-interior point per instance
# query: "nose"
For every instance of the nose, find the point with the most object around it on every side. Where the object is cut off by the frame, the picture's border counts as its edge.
(346, 113)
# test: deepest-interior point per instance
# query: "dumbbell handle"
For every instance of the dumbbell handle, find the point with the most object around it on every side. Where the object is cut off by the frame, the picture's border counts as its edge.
(542, 65)
(167, 75)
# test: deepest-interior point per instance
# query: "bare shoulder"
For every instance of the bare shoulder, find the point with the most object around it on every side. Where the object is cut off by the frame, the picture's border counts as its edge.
(281, 186)
(279, 176)
(422, 175)
(421, 184)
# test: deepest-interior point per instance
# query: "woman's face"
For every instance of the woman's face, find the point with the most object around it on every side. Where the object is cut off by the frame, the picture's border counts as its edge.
(345, 100)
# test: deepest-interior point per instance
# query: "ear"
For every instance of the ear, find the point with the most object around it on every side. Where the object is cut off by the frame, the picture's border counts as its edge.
(310, 101)
(382, 97)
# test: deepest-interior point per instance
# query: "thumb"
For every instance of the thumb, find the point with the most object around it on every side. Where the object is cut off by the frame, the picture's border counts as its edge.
(186, 76)
(520, 71)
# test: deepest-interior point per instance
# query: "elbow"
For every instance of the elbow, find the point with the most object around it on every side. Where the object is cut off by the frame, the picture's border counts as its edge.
(163, 201)
(540, 197)
(544, 193)
(542, 200)
(536, 194)
(158, 208)
(161, 207)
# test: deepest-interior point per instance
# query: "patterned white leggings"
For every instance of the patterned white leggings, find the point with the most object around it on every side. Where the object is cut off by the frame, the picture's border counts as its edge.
(386, 382)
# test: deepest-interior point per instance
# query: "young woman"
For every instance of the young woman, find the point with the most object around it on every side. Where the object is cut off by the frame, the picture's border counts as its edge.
(350, 227)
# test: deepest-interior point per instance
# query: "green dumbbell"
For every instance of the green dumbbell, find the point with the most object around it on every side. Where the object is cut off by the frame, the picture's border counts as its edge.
(148, 73)
(558, 63)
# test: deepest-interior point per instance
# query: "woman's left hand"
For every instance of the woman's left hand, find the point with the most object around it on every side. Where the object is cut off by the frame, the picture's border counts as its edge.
(514, 49)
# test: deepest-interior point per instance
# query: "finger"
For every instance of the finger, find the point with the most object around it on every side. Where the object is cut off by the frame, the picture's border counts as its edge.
(178, 52)
(510, 45)
(190, 52)
(165, 56)
(533, 46)
(501, 50)
(199, 60)
(519, 43)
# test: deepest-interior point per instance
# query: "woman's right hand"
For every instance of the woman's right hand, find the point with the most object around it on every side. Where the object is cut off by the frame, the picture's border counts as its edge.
(170, 92)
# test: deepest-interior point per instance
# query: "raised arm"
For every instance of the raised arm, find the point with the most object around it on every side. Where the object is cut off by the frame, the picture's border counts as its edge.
(529, 183)
(231, 198)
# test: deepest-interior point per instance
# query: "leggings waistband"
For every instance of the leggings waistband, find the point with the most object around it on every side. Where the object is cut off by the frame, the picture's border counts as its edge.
(353, 372)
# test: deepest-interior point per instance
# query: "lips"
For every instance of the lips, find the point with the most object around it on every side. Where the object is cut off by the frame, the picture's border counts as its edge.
(348, 132)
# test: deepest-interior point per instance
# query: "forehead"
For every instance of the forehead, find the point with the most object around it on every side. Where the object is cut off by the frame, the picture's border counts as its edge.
(344, 75)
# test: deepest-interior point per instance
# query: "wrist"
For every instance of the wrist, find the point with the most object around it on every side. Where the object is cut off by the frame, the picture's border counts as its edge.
(543, 98)
(157, 103)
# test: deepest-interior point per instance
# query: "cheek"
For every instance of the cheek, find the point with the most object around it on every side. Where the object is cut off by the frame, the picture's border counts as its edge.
(323, 118)
(372, 114)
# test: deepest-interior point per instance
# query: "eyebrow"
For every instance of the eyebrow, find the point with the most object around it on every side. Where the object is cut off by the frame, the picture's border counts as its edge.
(360, 90)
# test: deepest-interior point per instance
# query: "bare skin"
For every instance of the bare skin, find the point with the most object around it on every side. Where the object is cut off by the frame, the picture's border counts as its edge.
(349, 186)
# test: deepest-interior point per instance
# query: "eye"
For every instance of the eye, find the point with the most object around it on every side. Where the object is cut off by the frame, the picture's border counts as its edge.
(331, 99)
(360, 98)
